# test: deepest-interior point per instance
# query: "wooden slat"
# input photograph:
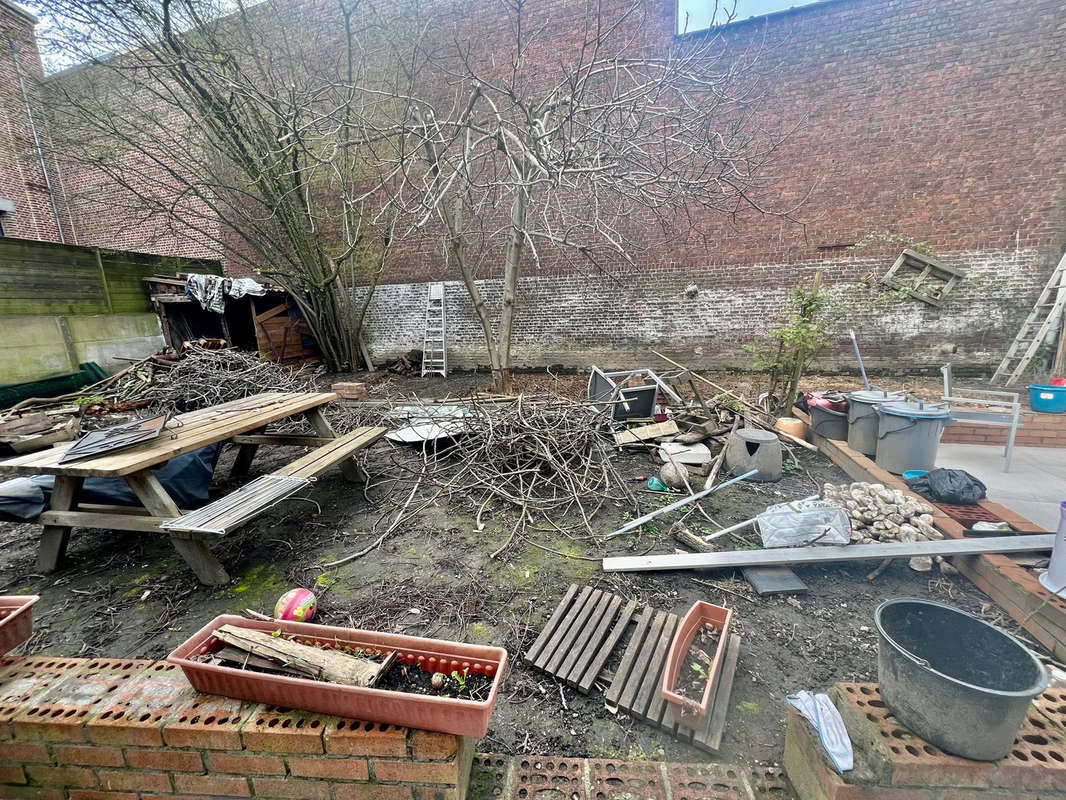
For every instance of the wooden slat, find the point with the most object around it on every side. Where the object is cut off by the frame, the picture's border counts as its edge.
(592, 670)
(549, 628)
(789, 556)
(329, 455)
(640, 666)
(202, 428)
(562, 649)
(652, 686)
(621, 675)
(710, 737)
(549, 649)
(589, 646)
(95, 519)
(574, 646)
(281, 440)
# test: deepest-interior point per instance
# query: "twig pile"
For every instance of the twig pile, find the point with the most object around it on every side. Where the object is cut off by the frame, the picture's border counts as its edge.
(205, 378)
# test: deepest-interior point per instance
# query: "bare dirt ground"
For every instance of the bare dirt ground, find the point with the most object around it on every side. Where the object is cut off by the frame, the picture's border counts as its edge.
(129, 595)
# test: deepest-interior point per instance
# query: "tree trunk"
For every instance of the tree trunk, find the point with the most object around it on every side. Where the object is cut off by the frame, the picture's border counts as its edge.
(511, 269)
(801, 355)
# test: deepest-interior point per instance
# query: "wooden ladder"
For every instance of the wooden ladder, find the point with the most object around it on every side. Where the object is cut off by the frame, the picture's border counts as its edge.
(1034, 330)
(434, 343)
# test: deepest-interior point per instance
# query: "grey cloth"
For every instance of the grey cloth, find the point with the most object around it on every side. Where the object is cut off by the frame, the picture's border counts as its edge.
(208, 290)
(239, 287)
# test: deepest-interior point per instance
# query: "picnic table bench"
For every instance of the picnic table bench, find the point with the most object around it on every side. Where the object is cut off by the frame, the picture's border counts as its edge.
(242, 422)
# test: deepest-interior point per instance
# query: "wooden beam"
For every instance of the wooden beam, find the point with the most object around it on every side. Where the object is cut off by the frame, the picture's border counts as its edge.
(282, 440)
(789, 556)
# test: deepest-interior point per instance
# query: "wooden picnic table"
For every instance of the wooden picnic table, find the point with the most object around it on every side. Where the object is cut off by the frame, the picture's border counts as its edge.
(229, 422)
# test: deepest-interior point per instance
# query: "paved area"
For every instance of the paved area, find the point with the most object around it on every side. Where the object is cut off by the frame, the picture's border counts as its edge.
(1034, 487)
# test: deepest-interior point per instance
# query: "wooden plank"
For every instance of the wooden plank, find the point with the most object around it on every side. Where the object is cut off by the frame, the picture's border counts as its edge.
(645, 706)
(564, 626)
(789, 556)
(549, 627)
(590, 646)
(640, 666)
(95, 519)
(592, 670)
(621, 675)
(646, 432)
(337, 451)
(709, 738)
(281, 440)
(566, 644)
(588, 626)
(185, 434)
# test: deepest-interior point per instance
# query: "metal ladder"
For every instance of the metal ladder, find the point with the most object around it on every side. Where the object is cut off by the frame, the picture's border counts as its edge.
(1034, 330)
(434, 344)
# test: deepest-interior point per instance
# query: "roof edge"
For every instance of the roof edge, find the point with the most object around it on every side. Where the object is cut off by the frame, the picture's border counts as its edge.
(20, 11)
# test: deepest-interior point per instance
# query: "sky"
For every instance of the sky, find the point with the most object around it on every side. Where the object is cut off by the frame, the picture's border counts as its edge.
(700, 11)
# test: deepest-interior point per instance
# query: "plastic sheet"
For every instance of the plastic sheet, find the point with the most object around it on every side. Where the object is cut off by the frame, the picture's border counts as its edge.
(807, 521)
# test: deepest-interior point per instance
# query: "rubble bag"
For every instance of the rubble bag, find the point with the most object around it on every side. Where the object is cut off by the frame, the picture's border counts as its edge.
(955, 486)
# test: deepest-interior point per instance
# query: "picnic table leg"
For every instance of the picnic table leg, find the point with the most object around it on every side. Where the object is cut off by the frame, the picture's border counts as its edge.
(243, 462)
(349, 467)
(190, 547)
(54, 538)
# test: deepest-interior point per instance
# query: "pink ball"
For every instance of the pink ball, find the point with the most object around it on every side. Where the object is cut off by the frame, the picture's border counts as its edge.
(298, 605)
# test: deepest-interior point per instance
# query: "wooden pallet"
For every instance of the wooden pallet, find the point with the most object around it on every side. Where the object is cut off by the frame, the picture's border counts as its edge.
(638, 680)
(580, 636)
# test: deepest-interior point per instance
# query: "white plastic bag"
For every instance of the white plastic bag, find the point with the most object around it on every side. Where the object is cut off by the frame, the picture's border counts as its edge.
(803, 522)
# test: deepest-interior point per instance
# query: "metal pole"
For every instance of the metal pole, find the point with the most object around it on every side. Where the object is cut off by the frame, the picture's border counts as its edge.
(15, 50)
(683, 502)
(858, 355)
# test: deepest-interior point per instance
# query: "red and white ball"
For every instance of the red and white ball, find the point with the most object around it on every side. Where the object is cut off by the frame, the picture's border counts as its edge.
(298, 605)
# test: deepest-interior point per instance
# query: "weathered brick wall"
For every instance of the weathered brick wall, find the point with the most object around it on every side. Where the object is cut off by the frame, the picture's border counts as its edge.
(112, 729)
(943, 121)
(575, 320)
(21, 178)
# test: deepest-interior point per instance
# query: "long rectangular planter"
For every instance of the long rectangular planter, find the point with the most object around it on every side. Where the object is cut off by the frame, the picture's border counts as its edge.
(686, 711)
(444, 714)
(16, 620)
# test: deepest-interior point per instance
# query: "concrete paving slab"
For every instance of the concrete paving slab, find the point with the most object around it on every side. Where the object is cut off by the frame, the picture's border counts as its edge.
(1034, 487)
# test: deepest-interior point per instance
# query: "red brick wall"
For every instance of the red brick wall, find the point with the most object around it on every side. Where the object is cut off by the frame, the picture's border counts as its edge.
(21, 178)
(112, 729)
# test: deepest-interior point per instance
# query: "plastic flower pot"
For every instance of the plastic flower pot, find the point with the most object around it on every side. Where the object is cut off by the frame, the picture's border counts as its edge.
(16, 620)
(687, 711)
(443, 714)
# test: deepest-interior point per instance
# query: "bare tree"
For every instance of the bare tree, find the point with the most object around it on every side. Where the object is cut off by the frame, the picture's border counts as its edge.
(515, 153)
(217, 121)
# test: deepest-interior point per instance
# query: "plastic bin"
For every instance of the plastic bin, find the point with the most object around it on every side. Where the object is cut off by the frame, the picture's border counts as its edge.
(1047, 399)
(16, 620)
(828, 423)
(444, 714)
(908, 435)
(863, 420)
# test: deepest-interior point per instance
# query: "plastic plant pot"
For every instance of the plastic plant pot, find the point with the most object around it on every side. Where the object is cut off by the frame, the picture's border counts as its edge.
(443, 714)
(688, 711)
(16, 620)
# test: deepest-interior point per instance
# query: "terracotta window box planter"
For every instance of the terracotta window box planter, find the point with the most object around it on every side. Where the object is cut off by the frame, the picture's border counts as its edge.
(444, 714)
(16, 620)
(688, 711)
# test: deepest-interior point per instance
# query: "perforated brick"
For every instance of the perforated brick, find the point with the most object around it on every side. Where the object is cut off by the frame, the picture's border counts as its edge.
(135, 712)
(621, 780)
(489, 775)
(967, 514)
(1037, 761)
(535, 776)
(24, 680)
(284, 730)
(209, 722)
(771, 783)
(701, 781)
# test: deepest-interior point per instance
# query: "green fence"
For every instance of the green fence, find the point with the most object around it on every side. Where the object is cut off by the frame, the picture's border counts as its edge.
(42, 278)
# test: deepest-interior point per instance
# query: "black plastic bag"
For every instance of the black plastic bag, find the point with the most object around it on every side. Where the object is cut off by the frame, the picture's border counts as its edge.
(955, 486)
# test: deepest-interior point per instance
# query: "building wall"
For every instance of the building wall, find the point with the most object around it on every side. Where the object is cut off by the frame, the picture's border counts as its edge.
(938, 121)
(22, 180)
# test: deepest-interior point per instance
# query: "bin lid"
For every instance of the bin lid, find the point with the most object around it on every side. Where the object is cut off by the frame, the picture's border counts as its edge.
(875, 396)
(916, 410)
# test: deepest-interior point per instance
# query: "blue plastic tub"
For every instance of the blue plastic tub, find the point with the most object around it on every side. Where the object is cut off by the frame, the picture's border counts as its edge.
(1047, 399)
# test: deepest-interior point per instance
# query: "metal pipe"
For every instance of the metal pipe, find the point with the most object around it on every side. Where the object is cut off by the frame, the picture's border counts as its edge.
(15, 50)
(858, 355)
(682, 502)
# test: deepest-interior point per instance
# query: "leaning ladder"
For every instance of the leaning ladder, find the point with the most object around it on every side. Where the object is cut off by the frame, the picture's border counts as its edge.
(434, 344)
(1034, 330)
